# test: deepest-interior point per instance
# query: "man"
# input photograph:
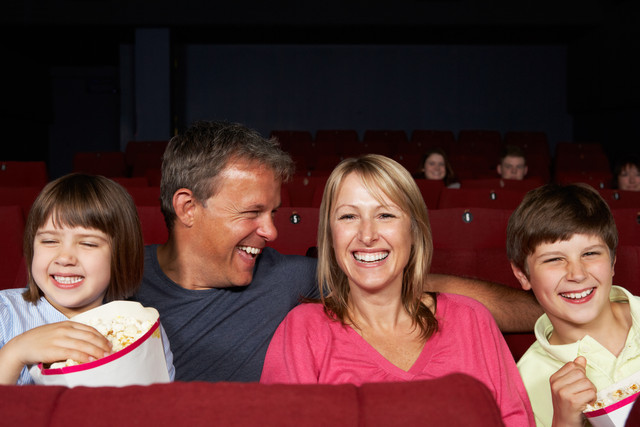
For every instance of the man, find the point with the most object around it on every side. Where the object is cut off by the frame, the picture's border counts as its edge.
(220, 292)
(513, 163)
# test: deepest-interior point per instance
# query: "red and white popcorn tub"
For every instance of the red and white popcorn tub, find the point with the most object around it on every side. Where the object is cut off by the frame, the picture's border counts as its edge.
(139, 363)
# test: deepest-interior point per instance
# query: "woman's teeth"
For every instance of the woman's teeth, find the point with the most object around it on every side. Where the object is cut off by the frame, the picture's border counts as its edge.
(367, 257)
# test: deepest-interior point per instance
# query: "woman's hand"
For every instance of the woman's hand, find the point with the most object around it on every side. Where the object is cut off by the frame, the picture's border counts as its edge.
(51, 343)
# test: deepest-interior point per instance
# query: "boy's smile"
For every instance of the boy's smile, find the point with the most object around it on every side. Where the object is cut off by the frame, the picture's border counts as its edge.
(572, 280)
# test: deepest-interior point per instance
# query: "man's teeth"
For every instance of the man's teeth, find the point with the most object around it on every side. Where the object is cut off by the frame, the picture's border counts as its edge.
(367, 257)
(67, 280)
(250, 250)
(578, 295)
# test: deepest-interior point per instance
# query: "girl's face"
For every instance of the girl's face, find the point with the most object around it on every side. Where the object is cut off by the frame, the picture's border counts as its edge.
(434, 167)
(629, 178)
(72, 266)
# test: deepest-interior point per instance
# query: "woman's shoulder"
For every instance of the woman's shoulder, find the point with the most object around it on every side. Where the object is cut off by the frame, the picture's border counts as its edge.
(462, 303)
(307, 312)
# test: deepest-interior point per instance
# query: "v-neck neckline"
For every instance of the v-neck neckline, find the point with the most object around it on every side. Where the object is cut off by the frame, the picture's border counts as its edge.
(416, 369)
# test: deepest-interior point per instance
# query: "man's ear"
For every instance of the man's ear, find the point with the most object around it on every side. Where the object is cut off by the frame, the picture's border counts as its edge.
(499, 169)
(184, 204)
(526, 170)
(522, 278)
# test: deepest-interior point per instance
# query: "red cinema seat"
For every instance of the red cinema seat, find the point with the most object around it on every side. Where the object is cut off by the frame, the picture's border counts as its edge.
(430, 190)
(472, 228)
(23, 173)
(509, 184)
(627, 267)
(106, 163)
(154, 229)
(297, 230)
(21, 196)
(143, 155)
(480, 198)
(11, 260)
(145, 196)
(628, 224)
(425, 139)
(302, 189)
(620, 199)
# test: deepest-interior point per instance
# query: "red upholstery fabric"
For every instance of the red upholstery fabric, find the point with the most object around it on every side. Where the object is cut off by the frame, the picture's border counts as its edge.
(473, 228)
(452, 400)
(25, 173)
(480, 198)
(628, 224)
(430, 190)
(11, 229)
(154, 229)
(297, 230)
(424, 403)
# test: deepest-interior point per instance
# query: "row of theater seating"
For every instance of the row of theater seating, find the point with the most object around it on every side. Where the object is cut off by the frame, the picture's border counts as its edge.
(467, 242)
(455, 230)
(474, 155)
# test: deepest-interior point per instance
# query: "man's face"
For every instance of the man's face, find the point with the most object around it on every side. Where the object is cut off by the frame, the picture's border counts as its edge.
(231, 228)
(512, 168)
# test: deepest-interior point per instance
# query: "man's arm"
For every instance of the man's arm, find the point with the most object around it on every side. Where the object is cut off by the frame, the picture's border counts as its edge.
(515, 310)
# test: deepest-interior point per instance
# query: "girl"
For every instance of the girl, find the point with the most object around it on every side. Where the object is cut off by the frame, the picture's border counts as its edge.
(83, 243)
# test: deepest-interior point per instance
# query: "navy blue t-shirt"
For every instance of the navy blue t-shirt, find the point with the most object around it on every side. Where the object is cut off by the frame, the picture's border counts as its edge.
(222, 334)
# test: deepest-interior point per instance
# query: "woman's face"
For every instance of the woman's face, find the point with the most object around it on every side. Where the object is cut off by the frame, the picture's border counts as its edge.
(372, 239)
(434, 167)
(629, 178)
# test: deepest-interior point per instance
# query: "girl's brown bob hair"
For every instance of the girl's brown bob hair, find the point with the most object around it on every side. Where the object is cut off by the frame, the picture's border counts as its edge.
(79, 200)
(381, 176)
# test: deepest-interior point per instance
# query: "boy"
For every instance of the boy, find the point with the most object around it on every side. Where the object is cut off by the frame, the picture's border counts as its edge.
(561, 242)
(513, 163)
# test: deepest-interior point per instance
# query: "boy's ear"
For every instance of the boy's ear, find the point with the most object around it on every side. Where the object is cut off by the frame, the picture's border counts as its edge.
(522, 278)
(184, 205)
(499, 169)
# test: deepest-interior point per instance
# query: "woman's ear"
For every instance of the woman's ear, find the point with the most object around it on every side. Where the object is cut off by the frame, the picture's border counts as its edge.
(184, 204)
(522, 278)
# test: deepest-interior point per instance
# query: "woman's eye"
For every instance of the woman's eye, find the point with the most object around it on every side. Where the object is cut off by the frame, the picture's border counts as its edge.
(387, 215)
(346, 217)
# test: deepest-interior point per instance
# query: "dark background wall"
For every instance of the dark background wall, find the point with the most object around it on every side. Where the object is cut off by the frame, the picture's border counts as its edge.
(91, 75)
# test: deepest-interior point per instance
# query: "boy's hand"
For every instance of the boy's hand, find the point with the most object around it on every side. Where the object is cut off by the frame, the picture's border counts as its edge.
(51, 343)
(571, 390)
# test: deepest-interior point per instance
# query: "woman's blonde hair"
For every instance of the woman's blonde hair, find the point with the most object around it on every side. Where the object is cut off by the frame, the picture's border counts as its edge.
(381, 176)
(79, 200)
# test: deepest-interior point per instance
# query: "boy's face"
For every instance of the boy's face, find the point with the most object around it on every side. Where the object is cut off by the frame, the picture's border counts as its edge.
(512, 168)
(571, 280)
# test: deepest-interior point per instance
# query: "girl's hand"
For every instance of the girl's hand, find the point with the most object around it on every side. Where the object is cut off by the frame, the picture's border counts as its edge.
(571, 390)
(51, 343)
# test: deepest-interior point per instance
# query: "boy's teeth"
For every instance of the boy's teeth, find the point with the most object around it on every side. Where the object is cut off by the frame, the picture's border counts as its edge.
(68, 280)
(250, 250)
(367, 257)
(578, 295)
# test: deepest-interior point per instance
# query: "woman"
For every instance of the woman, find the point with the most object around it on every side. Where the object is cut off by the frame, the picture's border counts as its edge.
(374, 322)
(627, 174)
(436, 166)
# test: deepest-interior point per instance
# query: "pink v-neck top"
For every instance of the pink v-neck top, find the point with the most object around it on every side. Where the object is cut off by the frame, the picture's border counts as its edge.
(309, 347)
